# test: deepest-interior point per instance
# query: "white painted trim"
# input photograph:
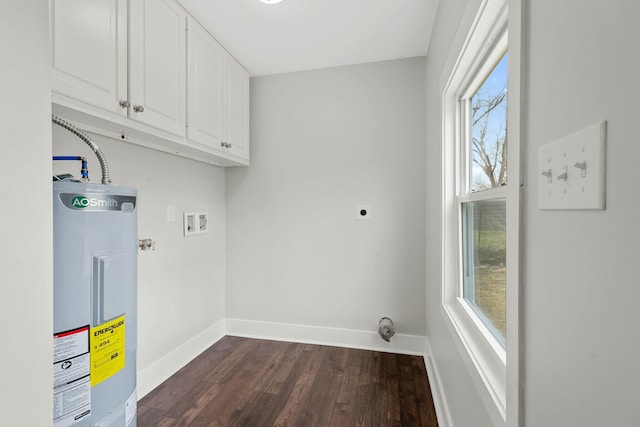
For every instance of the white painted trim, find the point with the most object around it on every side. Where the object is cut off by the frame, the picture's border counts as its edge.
(437, 392)
(154, 374)
(518, 113)
(338, 337)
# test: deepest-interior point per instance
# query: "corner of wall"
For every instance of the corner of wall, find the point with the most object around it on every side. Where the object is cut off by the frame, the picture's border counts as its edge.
(154, 374)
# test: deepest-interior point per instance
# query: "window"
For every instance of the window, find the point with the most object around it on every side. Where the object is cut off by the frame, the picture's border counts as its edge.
(482, 172)
(480, 218)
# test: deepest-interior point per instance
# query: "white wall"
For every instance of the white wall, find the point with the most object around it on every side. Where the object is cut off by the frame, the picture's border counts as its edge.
(580, 288)
(26, 279)
(323, 142)
(181, 285)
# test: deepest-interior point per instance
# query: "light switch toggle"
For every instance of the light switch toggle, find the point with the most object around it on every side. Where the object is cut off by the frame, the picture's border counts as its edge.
(564, 176)
(547, 173)
(583, 168)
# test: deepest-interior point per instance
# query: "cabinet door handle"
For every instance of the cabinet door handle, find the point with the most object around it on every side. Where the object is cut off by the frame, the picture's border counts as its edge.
(125, 104)
(225, 144)
(138, 108)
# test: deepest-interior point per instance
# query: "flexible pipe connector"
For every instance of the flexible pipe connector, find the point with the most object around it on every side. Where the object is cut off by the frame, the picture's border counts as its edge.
(83, 136)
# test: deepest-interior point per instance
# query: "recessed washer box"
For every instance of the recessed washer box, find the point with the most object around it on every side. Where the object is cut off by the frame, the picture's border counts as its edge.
(196, 223)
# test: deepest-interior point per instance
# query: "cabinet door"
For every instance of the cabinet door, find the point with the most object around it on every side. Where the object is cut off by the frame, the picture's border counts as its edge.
(157, 64)
(89, 51)
(236, 122)
(204, 87)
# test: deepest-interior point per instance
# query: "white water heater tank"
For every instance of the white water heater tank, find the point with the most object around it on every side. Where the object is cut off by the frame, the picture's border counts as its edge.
(95, 305)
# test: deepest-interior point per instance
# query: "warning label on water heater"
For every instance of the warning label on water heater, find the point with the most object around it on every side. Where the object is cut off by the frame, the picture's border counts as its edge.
(107, 349)
(71, 382)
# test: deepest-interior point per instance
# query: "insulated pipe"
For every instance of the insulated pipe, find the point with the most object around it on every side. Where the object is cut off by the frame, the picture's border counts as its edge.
(83, 136)
(84, 171)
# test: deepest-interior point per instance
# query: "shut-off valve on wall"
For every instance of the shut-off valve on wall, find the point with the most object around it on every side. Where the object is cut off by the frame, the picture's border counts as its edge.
(385, 329)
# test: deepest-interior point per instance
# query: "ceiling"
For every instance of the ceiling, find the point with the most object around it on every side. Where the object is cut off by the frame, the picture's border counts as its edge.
(296, 35)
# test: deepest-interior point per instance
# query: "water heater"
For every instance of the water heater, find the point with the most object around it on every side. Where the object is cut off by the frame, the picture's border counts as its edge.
(95, 304)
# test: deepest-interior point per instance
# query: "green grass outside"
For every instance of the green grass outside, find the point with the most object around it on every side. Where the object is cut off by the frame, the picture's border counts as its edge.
(491, 277)
(491, 239)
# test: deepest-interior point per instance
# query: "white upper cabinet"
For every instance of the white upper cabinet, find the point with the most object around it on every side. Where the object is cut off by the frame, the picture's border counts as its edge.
(218, 96)
(204, 100)
(236, 109)
(129, 69)
(89, 51)
(157, 67)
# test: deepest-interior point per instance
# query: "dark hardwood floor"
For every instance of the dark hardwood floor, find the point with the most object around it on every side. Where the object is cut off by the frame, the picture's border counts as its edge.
(248, 382)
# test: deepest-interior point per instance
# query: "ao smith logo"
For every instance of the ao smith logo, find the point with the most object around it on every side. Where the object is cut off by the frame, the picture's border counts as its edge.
(81, 202)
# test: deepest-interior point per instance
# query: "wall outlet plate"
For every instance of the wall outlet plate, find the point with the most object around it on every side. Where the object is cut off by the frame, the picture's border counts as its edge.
(571, 171)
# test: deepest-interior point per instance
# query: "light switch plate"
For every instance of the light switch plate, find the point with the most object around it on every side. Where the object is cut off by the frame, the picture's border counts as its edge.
(571, 171)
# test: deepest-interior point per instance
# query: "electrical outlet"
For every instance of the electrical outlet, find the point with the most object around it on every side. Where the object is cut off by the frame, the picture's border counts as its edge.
(363, 212)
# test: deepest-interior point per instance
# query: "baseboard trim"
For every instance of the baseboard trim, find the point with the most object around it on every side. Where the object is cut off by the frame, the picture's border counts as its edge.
(366, 340)
(437, 392)
(154, 374)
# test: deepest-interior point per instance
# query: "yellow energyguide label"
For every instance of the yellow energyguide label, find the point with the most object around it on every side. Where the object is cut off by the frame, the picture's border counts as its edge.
(107, 349)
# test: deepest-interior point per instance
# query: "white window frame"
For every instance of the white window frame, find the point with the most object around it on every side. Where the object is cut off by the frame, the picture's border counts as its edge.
(493, 368)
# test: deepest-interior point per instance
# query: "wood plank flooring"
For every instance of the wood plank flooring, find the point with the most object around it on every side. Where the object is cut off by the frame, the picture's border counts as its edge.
(248, 382)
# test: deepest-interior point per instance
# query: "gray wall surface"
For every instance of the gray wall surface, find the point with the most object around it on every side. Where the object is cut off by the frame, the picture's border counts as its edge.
(581, 288)
(26, 275)
(324, 142)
